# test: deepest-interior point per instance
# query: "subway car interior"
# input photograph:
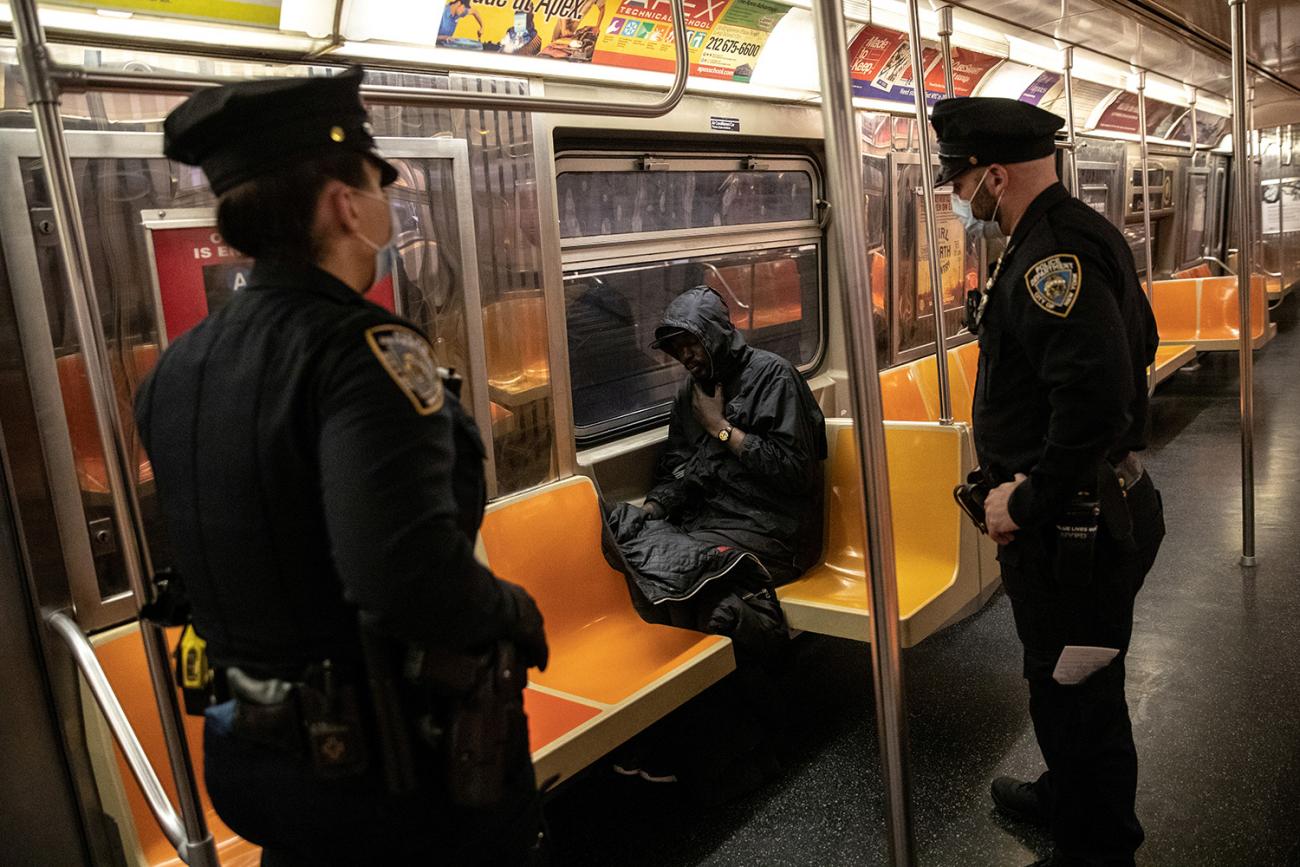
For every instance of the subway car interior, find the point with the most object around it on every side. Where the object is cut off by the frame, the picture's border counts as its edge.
(564, 172)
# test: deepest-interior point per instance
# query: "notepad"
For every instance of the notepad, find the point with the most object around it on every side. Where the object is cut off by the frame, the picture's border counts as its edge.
(1078, 663)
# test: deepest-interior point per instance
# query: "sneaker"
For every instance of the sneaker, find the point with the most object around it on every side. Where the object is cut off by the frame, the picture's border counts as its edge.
(1019, 800)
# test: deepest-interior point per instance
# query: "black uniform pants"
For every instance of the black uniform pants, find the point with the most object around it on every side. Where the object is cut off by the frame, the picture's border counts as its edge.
(1083, 730)
(273, 798)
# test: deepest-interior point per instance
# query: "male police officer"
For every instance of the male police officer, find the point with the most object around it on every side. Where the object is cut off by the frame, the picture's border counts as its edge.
(1060, 410)
(315, 469)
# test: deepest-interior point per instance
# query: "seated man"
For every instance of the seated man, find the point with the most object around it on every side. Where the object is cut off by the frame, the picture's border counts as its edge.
(737, 505)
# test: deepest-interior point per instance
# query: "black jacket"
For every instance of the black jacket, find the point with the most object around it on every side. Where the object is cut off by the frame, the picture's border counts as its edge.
(1065, 341)
(310, 464)
(767, 502)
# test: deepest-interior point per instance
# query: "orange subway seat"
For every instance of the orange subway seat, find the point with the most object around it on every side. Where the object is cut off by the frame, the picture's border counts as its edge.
(968, 355)
(777, 297)
(902, 396)
(1174, 303)
(601, 649)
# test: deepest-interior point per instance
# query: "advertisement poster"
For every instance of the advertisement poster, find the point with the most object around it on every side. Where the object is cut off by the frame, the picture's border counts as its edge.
(952, 256)
(262, 13)
(724, 37)
(968, 70)
(196, 273)
(1045, 88)
(1122, 115)
(880, 63)
(1210, 128)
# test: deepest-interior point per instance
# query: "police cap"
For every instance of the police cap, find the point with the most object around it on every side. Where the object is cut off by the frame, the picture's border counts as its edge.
(982, 130)
(241, 131)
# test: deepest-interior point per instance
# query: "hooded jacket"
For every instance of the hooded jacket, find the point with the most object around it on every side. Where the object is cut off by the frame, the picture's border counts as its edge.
(763, 505)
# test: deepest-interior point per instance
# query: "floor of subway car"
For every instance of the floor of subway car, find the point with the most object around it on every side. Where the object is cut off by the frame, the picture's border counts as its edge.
(1213, 687)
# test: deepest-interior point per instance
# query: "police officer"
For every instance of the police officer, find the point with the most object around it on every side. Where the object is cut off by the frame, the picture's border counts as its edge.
(1065, 334)
(315, 469)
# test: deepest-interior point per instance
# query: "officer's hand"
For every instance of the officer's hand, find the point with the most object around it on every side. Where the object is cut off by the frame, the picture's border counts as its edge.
(1001, 528)
(527, 632)
(654, 510)
(708, 408)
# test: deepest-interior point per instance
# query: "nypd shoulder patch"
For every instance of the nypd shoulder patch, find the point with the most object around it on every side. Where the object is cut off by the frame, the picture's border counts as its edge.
(407, 357)
(1054, 283)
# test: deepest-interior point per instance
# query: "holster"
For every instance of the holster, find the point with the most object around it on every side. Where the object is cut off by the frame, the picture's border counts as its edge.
(474, 711)
(970, 498)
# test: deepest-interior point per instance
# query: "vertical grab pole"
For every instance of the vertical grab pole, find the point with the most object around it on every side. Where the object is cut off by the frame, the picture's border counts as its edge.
(931, 219)
(1245, 274)
(1146, 206)
(1067, 69)
(945, 40)
(43, 99)
(849, 259)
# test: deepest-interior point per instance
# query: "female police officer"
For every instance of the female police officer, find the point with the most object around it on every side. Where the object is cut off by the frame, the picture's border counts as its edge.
(313, 467)
(1060, 411)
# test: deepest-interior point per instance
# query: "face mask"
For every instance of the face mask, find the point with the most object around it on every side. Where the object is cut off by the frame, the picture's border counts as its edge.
(384, 252)
(974, 225)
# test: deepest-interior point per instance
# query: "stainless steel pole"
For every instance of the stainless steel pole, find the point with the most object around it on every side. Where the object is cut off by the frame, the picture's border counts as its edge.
(1067, 67)
(849, 260)
(43, 99)
(1146, 207)
(1245, 274)
(945, 40)
(1195, 137)
(74, 79)
(931, 219)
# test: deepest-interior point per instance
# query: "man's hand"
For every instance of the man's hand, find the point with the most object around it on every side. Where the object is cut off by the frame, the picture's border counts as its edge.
(708, 409)
(654, 510)
(1001, 528)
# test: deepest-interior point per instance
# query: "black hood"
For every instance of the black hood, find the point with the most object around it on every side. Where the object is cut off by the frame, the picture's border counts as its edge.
(702, 313)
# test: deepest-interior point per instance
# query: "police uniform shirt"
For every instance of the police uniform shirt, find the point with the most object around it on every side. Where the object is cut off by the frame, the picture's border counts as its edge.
(310, 462)
(1065, 340)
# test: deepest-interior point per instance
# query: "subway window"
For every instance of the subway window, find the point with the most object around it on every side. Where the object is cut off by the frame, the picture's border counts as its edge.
(640, 229)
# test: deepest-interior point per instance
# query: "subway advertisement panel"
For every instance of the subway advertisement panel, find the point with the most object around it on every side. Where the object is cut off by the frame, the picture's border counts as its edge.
(724, 36)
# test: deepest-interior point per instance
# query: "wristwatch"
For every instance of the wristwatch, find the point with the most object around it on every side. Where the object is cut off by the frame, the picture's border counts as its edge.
(725, 433)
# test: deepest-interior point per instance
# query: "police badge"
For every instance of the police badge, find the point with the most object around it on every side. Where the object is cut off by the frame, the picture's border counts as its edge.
(408, 359)
(1054, 283)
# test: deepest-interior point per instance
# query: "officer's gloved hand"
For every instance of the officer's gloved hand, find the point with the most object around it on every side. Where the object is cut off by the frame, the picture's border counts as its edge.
(527, 631)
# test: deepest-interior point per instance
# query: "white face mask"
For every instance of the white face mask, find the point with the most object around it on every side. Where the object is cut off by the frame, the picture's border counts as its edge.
(384, 252)
(974, 225)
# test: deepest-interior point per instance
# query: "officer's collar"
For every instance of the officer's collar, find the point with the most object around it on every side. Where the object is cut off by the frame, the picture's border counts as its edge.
(1037, 208)
(280, 275)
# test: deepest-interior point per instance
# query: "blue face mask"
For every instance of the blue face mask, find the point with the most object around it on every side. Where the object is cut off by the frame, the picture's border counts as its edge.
(974, 225)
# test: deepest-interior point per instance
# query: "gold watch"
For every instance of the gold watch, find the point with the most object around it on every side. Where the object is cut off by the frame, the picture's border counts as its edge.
(725, 434)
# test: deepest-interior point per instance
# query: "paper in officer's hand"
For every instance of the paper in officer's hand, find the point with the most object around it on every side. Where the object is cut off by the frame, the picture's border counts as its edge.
(1077, 663)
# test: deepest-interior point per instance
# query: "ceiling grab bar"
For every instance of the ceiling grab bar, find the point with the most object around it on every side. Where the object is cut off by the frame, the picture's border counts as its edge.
(154, 794)
(73, 79)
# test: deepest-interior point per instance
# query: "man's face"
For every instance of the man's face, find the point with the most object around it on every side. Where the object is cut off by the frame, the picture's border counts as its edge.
(973, 185)
(687, 349)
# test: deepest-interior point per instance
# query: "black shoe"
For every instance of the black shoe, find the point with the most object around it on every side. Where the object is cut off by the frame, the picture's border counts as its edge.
(1019, 800)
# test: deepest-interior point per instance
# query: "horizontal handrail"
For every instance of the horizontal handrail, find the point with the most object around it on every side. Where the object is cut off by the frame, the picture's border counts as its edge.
(84, 656)
(1217, 261)
(74, 79)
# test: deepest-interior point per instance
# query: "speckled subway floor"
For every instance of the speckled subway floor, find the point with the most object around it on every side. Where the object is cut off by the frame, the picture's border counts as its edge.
(1213, 687)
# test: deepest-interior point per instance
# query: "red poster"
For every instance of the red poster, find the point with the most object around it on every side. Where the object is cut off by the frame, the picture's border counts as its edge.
(198, 272)
(968, 70)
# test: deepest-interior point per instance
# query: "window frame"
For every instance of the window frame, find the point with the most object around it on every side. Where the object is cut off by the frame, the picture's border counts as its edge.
(595, 252)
